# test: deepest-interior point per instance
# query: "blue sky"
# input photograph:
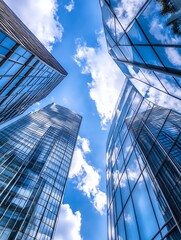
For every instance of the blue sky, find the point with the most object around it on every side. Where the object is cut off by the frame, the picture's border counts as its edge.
(72, 31)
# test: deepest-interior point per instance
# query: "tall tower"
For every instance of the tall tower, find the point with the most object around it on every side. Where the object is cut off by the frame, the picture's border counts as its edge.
(35, 157)
(144, 39)
(28, 72)
(143, 147)
(143, 170)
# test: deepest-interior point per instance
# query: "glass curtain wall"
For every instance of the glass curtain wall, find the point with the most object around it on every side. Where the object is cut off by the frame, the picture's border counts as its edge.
(144, 39)
(35, 157)
(138, 203)
(28, 72)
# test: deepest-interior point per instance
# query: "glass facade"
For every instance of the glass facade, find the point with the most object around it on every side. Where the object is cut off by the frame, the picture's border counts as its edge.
(35, 157)
(143, 170)
(28, 72)
(144, 39)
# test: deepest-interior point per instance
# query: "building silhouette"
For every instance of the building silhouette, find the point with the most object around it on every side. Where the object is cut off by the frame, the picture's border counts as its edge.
(35, 157)
(143, 170)
(28, 72)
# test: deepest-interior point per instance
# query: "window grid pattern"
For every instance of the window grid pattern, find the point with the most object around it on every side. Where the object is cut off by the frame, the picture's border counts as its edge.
(135, 191)
(24, 79)
(144, 44)
(35, 157)
(14, 27)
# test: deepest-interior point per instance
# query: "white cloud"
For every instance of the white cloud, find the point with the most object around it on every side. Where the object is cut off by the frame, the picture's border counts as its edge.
(70, 6)
(106, 77)
(86, 176)
(163, 99)
(165, 35)
(52, 98)
(126, 10)
(154, 95)
(40, 16)
(133, 173)
(99, 201)
(69, 224)
(127, 218)
(85, 144)
(173, 56)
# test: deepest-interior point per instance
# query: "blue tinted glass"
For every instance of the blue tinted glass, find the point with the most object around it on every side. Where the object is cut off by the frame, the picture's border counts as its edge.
(5, 67)
(14, 69)
(4, 81)
(131, 54)
(127, 146)
(171, 56)
(3, 51)
(27, 55)
(118, 202)
(121, 229)
(118, 53)
(155, 24)
(20, 50)
(125, 14)
(178, 79)
(130, 222)
(108, 19)
(2, 36)
(153, 79)
(133, 170)
(144, 211)
(155, 203)
(171, 85)
(136, 35)
(8, 43)
(119, 30)
(124, 40)
(148, 55)
(124, 187)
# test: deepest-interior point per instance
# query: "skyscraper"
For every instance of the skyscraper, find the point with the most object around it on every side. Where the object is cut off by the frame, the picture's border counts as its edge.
(143, 147)
(35, 157)
(28, 72)
(143, 170)
(144, 39)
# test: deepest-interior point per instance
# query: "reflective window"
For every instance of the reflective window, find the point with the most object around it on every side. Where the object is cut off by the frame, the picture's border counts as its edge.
(136, 35)
(125, 14)
(8, 43)
(149, 55)
(130, 221)
(133, 170)
(171, 56)
(144, 212)
(121, 229)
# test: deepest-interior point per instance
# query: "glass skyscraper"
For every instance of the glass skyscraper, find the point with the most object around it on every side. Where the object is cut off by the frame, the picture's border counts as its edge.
(35, 157)
(144, 39)
(143, 170)
(28, 72)
(144, 142)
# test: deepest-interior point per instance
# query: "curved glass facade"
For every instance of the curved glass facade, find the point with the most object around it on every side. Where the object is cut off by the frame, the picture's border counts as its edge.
(144, 39)
(35, 157)
(28, 72)
(143, 170)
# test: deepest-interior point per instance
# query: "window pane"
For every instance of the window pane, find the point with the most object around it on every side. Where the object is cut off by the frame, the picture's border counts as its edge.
(144, 212)
(130, 221)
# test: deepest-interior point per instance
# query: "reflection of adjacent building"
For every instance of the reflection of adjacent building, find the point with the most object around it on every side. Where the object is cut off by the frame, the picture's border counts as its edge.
(144, 47)
(143, 170)
(158, 137)
(28, 72)
(173, 8)
(35, 157)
